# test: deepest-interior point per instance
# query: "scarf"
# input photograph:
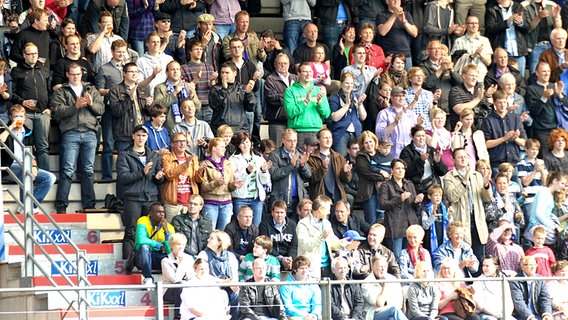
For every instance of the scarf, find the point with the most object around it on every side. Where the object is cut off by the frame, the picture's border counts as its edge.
(421, 255)
(420, 150)
(218, 165)
(396, 76)
(175, 105)
(445, 221)
(343, 100)
(219, 266)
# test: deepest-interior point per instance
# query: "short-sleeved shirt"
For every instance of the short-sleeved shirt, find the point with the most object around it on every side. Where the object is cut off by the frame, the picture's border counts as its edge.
(397, 39)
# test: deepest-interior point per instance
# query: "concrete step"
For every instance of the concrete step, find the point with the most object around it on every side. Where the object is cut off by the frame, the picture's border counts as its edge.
(106, 251)
(76, 236)
(106, 298)
(124, 279)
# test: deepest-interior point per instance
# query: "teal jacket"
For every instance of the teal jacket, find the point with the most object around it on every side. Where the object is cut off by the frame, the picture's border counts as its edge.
(302, 117)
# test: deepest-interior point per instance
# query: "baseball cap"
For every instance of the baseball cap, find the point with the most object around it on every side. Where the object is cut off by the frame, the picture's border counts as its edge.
(353, 235)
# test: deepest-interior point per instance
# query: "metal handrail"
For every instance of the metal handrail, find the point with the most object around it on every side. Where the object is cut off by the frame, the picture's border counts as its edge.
(30, 223)
(325, 286)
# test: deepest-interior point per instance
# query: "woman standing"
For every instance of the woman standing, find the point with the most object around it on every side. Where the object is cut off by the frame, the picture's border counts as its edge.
(252, 169)
(489, 294)
(223, 265)
(217, 175)
(370, 175)
(396, 74)
(340, 52)
(399, 200)
(425, 165)
(347, 113)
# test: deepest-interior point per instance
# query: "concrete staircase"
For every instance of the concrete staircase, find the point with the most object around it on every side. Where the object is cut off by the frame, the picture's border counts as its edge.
(105, 268)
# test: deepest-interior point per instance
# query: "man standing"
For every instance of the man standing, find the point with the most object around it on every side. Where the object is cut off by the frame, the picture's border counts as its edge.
(37, 33)
(139, 171)
(504, 132)
(466, 189)
(542, 16)
(556, 56)
(499, 67)
(152, 234)
(288, 172)
(118, 11)
(329, 169)
(316, 239)
(99, 44)
(194, 226)
(274, 86)
(334, 16)
(253, 50)
(202, 75)
(172, 91)
(396, 27)
(77, 106)
(306, 104)
(152, 64)
(73, 54)
(282, 232)
(303, 52)
(30, 87)
(209, 39)
(230, 99)
(362, 73)
(439, 73)
(273, 48)
(467, 95)
(541, 99)
(127, 102)
(180, 169)
(396, 121)
(198, 132)
(477, 46)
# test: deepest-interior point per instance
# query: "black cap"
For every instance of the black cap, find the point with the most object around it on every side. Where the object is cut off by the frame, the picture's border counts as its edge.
(161, 16)
(139, 127)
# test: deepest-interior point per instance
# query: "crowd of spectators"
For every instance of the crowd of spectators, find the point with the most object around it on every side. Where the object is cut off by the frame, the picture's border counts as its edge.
(447, 127)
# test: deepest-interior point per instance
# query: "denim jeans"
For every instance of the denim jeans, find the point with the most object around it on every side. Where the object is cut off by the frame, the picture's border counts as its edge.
(294, 33)
(255, 204)
(396, 245)
(120, 146)
(138, 46)
(39, 122)
(522, 61)
(370, 209)
(535, 55)
(148, 260)
(42, 182)
(108, 144)
(330, 35)
(341, 145)
(219, 214)
(276, 133)
(133, 210)
(390, 313)
(72, 144)
(224, 30)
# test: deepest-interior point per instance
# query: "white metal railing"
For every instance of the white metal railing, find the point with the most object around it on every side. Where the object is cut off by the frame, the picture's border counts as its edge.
(30, 224)
(325, 286)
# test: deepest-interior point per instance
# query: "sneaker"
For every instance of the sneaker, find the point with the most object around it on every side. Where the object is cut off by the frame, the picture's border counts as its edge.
(62, 209)
(148, 282)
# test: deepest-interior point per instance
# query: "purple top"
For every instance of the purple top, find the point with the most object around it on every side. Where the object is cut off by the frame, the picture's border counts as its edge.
(400, 136)
(224, 11)
(141, 19)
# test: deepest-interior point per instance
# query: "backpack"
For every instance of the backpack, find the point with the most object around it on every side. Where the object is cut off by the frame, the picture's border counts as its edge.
(465, 303)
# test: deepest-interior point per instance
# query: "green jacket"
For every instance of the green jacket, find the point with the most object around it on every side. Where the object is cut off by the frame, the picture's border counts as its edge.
(302, 117)
(144, 232)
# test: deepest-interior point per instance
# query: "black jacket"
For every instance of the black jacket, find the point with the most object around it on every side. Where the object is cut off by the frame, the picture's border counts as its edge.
(182, 224)
(274, 88)
(353, 223)
(121, 21)
(5, 159)
(31, 83)
(354, 297)
(327, 10)
(250, 301)
(122, 110)
(40, 38)
(284, 243)
(235, 232)
(415, 166)
(229, 106)
(183, 18)
(496, 28)
(136, 185)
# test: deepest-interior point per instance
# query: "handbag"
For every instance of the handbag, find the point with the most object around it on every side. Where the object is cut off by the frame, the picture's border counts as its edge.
(465, 303)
